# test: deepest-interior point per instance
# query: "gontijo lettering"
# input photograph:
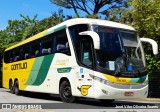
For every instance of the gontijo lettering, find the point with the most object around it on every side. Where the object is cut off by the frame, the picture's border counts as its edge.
(19, 66)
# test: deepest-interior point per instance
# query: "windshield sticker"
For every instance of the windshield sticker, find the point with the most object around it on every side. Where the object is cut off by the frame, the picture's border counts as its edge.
(111, 65)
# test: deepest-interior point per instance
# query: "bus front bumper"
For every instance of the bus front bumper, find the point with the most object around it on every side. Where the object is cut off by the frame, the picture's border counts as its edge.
(103, 91)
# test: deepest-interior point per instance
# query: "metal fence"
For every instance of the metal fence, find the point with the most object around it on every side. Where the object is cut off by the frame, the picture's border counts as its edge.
(154, 85)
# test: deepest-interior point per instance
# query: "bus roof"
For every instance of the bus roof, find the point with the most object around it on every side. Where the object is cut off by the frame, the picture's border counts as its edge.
(90, 21)
(72, 22)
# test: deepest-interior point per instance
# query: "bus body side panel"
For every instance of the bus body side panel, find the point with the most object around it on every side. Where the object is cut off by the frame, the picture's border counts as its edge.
(17, 70)
(60, 67)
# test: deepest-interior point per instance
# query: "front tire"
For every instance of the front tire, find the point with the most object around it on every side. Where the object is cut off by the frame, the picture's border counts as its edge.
(66, 92)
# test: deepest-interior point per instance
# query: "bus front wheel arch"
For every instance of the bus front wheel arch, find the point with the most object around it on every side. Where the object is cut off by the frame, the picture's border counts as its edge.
(65, 92)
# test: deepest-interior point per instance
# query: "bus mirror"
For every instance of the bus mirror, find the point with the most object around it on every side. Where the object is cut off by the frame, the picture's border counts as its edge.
(153, 43)
(94, 36)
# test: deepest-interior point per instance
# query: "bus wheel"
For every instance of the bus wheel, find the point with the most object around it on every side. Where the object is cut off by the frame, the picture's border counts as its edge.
(106, 101)
(16, 88)
(66, 92)
(11, 87)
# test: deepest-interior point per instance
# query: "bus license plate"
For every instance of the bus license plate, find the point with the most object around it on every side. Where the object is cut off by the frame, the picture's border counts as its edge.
(129, 93)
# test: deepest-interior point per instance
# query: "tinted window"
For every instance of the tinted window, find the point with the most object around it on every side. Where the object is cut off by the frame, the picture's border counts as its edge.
(86, 52)
(26, 52)
(6, 57)
(62, 45)
(16, 55)
(35, 49)
(74, 32)
(52, 43)
(47, 45)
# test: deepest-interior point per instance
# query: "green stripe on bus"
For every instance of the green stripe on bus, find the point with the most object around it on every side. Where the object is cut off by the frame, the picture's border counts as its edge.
(134, 80)
(43, 69)
(35, 69)
(142, 79)
(60, 28)
(55, 30)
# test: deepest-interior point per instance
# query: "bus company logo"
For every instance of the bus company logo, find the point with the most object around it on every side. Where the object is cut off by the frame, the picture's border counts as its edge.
(19, 66)
(84, 89)
(121, 80)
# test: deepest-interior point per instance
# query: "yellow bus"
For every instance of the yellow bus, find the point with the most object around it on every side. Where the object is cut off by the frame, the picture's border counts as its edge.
(80, 57)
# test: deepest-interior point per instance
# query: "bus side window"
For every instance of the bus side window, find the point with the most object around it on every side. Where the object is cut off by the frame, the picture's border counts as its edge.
(74, 32)
(35, 48)
(86, 53)
(47, 45)
(16, 56)
(11, 56)
(26, 52)
(21, 53)
(7, 57)
(62, 44)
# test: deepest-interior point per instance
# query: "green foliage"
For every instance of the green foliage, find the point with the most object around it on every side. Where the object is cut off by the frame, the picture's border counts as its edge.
(15, 30)
(19, 30)
(146, 19)
(94, 16)
(43, 25)
(146, 15)
(152, 63)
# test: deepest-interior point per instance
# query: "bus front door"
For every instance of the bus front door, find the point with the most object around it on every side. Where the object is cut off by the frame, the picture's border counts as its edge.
(86, 68)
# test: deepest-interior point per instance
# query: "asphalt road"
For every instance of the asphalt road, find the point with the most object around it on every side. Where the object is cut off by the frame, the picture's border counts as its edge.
(47, 101)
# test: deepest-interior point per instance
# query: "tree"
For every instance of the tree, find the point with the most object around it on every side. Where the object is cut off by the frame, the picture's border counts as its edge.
(43, 24)
(146, 19)
(16, 28)
(91, 7)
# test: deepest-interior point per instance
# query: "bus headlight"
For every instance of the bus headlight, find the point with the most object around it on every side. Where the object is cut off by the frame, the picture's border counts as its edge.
(104, 81)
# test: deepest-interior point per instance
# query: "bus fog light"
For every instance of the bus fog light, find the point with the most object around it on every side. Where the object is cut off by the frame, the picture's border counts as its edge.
(105, 92)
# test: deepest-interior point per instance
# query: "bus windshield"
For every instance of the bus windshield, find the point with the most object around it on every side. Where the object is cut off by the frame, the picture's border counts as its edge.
(117, 48)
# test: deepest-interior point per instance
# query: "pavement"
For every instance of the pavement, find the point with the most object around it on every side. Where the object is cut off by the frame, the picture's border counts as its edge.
(157, 100)
(146, 99)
